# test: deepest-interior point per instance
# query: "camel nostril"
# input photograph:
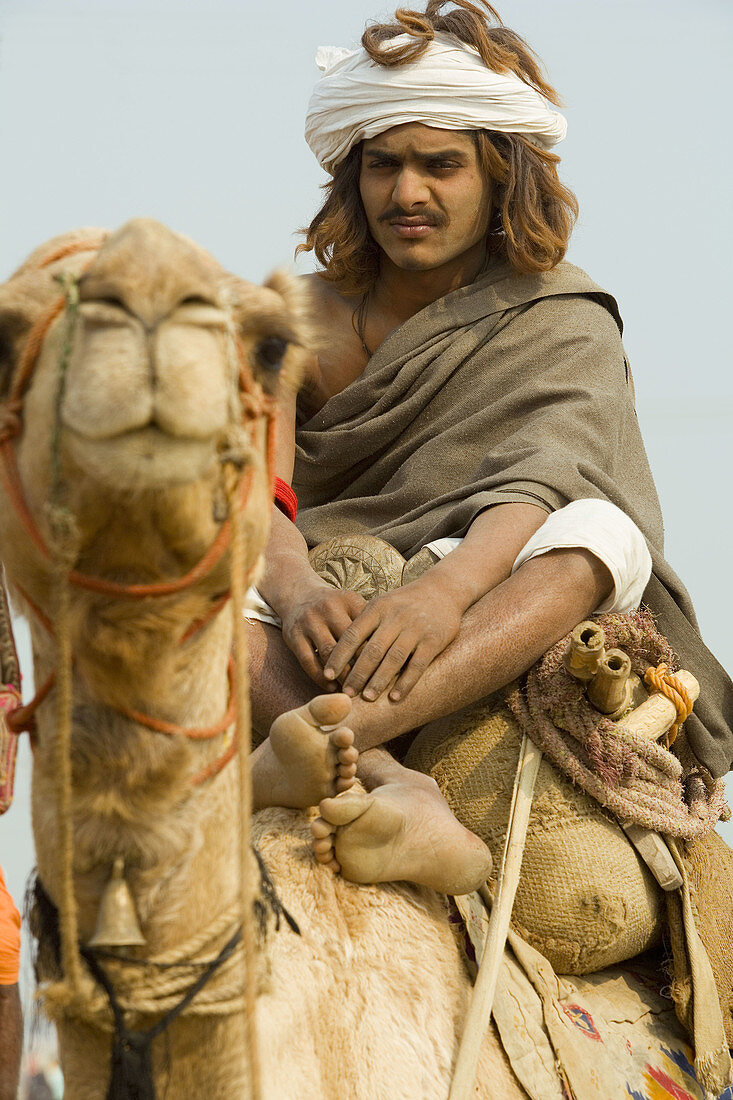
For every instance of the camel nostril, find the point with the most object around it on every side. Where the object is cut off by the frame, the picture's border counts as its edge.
(195, 300)
(110, 300)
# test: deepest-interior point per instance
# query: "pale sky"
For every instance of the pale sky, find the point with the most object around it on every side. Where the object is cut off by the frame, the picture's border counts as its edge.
(192, 112)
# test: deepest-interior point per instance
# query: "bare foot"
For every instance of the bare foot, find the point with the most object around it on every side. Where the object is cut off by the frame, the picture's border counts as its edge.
(308, 755)
(402, 830)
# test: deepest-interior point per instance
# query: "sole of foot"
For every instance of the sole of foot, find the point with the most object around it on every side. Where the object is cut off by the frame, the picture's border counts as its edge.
(401, 831)
(314, 752)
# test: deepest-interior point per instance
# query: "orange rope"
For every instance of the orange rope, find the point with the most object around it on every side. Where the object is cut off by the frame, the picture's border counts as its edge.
(199, 624)
(21, 718)
(256, 403)
(663, 680)
(217, 765)
(32, 348)
(71, 248)
(159, 725)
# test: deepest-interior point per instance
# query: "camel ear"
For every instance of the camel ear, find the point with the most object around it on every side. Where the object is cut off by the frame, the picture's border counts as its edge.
(22, 301)
(15, 322)
(296, 295)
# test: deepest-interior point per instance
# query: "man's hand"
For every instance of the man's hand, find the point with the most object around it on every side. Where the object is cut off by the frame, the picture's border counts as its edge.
(314, 622)
(402, 631)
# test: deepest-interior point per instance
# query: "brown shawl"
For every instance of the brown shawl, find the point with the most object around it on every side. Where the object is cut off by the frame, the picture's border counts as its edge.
(515, 388)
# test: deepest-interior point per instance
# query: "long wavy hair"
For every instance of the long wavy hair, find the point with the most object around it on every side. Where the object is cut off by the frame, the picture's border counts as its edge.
(533, 212)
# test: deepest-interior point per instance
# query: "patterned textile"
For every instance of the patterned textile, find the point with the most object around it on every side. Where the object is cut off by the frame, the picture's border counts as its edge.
(602, 1036)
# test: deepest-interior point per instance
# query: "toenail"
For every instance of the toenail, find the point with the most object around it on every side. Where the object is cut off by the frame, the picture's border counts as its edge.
(329, 674)
(369, 693)
(394, 696)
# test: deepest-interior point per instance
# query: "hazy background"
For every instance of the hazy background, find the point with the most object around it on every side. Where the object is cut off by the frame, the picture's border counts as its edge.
(192, 112)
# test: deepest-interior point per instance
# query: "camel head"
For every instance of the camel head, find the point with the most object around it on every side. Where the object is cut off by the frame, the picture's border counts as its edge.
(123, 405)
(136, 375)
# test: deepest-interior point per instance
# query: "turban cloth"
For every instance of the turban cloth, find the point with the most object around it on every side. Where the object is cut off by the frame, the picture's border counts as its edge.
(448, 87)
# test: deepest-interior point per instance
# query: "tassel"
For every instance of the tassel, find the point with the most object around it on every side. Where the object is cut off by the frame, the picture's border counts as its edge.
(132, 1066)
(714, 1071)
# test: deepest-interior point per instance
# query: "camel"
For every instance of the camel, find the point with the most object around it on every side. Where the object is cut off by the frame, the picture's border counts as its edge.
(369, 999)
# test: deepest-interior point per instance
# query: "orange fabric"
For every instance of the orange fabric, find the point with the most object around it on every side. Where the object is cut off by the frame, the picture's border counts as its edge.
(9, 937)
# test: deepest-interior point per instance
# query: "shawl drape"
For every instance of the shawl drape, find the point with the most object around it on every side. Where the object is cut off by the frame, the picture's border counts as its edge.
(515, 388)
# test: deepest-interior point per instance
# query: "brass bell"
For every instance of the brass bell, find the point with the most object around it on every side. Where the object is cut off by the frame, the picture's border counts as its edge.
(117, 923)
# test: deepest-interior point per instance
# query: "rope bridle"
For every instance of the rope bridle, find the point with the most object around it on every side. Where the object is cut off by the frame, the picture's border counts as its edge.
(256, 405)
(20, 717)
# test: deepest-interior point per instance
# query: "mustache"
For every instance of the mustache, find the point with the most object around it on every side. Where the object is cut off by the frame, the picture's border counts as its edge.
(426, 216)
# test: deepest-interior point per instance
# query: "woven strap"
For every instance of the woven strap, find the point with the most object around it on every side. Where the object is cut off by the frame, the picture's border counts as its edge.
(285, 499)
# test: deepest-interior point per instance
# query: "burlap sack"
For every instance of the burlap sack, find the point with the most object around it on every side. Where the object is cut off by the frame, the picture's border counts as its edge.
(585, 899)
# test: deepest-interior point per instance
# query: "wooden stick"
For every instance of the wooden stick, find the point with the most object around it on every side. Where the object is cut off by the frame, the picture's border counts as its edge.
(482, 1002)
(654, 717)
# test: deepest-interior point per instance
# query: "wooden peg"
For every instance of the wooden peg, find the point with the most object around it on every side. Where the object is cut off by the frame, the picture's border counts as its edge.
(585, 650)
(609, 691)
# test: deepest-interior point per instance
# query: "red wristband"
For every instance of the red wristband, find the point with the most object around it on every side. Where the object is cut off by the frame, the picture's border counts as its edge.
(286, 499)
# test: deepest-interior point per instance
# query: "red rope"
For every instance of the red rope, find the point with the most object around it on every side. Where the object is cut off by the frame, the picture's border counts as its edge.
(255, 405)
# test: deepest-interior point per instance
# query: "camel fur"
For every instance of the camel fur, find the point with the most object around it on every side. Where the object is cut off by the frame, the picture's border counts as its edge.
(369, 1000)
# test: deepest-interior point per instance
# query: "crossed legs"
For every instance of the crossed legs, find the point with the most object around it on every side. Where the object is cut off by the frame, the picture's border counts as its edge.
(399, 827)
(385, 834)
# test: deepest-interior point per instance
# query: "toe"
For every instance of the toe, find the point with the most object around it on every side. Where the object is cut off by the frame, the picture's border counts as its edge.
(345, 807)
(327, 710)
(324, 857)
(347, 771)
(343, 739)
(321, 828)
(343, 783)
(348, 756)
(323, 846)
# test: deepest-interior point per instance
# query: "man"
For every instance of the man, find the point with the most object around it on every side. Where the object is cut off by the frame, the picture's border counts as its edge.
(466, 386)
(11, 1020)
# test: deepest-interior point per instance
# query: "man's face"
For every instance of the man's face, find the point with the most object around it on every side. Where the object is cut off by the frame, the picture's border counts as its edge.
(425, 197)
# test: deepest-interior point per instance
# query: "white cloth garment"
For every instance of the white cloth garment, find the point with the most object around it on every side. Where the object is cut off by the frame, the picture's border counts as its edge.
(609, 534)
(448, 87)
(595, 525)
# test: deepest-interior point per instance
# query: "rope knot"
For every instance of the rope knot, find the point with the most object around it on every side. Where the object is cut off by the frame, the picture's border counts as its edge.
(11, 424)
(254, 405)
(65, 538)
(69, 283)
(663, 680)
(235, 448)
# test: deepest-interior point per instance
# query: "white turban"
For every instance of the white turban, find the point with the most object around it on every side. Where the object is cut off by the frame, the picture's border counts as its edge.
(448, 87)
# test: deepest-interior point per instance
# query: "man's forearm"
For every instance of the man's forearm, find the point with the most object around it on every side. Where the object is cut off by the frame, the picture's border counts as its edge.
(485, 557)
(286, 563)
(11, 1041)
(500, 637)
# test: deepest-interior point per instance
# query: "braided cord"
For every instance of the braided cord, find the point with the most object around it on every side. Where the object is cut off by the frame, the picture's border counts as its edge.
(662, 679)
